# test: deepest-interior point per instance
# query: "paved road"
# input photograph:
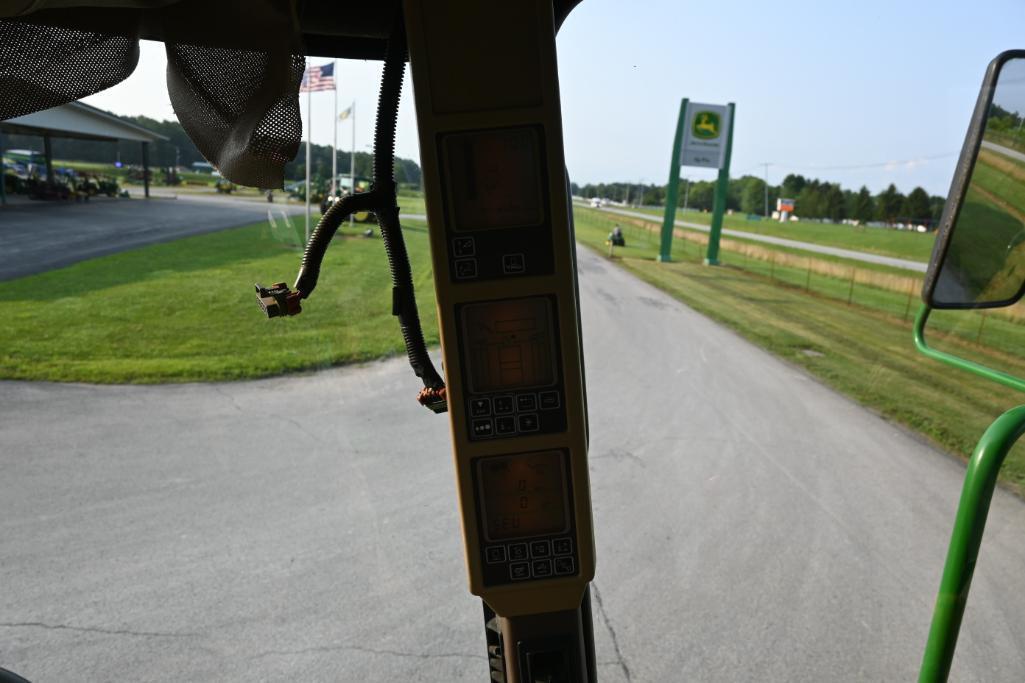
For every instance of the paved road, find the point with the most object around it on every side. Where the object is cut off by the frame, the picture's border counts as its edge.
(793, 244)
(1006, 151)
(752, 524)
(39, 236)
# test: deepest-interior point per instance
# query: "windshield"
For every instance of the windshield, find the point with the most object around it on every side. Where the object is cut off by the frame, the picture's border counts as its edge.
(190, 491)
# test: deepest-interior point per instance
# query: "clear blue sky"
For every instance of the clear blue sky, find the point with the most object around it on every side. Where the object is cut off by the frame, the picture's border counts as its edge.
(818, 85)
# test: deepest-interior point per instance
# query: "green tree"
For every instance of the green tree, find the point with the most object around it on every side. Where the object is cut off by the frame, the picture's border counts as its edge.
(864, 208)
(752, 198)
(916, 206)
(889, 204)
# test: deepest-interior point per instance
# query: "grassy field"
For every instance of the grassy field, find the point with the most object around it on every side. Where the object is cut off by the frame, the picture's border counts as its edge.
(186, 311)
(864, 350)
(897, 243)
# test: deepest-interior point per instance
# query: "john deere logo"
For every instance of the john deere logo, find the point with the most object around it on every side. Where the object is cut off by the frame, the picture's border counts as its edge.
(706, 125)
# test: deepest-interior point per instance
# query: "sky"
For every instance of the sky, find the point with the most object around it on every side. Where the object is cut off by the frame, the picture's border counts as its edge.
(861, 93)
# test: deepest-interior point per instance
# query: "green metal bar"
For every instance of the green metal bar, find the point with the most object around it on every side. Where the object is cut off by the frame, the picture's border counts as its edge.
(673, 188)
(961, 363)
(980, 481)
(722, 188)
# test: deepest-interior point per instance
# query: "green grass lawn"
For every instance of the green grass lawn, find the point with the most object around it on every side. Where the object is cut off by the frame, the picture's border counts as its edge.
(186, 310)
(886, 242)
(864, 350)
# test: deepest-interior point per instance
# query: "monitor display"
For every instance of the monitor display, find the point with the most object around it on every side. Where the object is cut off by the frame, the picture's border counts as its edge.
(509, 344)
(494, 179)
(523, 495)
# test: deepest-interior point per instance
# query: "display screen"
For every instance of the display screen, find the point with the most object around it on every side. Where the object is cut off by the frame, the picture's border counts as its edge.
(509, 344)
(523, 495)
(494, 179)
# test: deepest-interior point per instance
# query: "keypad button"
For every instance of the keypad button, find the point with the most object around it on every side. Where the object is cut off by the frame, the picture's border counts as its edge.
(495, 554)
(483, 428)
(564, 566)
(480, 407)
(517, 551)
(540, 549)
(466, 268)
(563, 546)
(541, 568)
(503, 405)
(505, 426)
(527, 423)
(519, 571)
(526, 403)
(549, 400)
(462, 246)
(513, 264)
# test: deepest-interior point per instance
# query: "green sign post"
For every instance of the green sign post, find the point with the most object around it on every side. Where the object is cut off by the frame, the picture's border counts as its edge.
(722, 188)
(673, 188)
(704, 138)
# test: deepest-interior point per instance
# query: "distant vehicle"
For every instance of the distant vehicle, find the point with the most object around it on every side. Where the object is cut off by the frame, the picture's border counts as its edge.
(595, 203)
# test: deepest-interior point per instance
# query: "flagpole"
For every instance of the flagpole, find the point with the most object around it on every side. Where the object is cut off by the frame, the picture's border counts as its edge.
(309, 134)
(334, 148)
(352, 158)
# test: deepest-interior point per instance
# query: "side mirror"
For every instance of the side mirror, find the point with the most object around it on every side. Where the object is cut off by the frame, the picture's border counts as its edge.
(978, 260)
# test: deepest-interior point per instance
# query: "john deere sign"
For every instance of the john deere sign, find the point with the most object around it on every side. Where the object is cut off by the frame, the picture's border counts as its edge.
(704, 140)
(704, 136)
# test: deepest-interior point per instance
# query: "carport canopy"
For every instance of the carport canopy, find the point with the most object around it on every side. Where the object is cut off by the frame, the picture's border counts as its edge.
(78, 120)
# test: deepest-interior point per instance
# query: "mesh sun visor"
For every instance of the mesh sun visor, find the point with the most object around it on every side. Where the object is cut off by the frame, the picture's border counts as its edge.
(241, 108)
(43, 66)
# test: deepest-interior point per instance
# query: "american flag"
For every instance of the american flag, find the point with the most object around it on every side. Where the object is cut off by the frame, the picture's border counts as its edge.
(318, 78)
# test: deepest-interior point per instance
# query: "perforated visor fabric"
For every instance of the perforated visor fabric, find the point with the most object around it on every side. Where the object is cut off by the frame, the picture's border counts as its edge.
(241, 108)
(43, 66)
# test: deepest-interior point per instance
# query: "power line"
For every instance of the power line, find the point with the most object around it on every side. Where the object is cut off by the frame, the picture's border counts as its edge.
(853, 167)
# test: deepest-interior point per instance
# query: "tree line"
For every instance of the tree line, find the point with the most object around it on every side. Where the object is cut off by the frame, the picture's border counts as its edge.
(814, 199)
(179, 150)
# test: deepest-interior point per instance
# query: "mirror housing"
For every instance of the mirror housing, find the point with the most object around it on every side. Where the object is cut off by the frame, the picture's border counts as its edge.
(970, 266)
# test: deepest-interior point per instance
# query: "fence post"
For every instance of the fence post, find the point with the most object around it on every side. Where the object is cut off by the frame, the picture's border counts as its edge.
(850, 292)
(982, 323)
(772, 266)
(807, 278)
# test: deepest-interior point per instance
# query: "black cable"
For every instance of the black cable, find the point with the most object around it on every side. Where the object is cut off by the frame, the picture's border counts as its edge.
(381, 199)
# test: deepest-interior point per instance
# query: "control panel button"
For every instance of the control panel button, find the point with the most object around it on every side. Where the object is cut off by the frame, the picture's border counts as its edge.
(483, 428)
(564, 566)
(541, 568)
(563, 546)
(519, 571)
(503, 405)
(462, 246)
(495, 554)
(480, 407)
(505, 426)
(527, 423)
(525, 403)
(517, 552)
(513, 264)
(549, 400)
(466, 268)
(540, 549)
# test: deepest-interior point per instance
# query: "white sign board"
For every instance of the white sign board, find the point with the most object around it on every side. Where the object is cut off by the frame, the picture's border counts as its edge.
(704, 135)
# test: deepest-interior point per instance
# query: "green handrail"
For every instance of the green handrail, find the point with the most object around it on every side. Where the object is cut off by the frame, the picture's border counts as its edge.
(962, 363)
(976, 496)
(980, 481)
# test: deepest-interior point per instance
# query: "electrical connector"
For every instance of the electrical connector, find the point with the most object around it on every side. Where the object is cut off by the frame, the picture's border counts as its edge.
(435, 399)
(278, 300)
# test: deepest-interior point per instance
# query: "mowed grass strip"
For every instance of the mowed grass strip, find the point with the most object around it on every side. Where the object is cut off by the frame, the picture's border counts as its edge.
(864, 351)
(186, 311)
(904, 244)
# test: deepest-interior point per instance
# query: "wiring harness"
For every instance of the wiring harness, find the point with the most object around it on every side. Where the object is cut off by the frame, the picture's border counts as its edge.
(279, 300)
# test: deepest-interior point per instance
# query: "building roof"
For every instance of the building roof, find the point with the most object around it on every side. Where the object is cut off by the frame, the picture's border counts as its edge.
(79, 120)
